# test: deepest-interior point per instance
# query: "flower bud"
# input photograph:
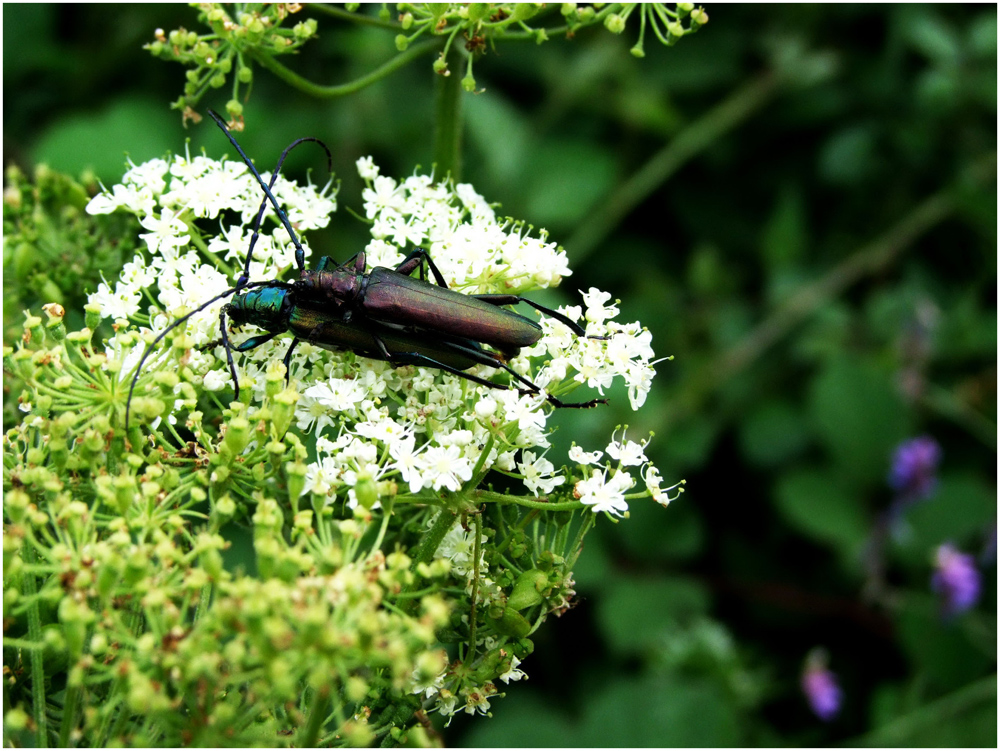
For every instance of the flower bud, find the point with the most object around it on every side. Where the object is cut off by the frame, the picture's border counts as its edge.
(440, 67)
(238, 435)
(614, 23)
(365, 491)
(283, 410)
(527, 589)
(511, 623)
(524, 11)
(402, 42)
(244, 74)
(295, 473)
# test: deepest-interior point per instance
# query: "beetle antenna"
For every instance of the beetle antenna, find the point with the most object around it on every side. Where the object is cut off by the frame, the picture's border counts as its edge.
(167, 330)
(299, 253)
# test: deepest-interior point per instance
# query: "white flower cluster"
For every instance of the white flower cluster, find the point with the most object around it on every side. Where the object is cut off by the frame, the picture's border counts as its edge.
(423, 429)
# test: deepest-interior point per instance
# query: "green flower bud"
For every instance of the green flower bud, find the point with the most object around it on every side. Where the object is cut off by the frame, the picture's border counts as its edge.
(16, 719)
(637, 50)
(217, 81)
(244, 74)
(524, 11)
(406, 20)
(699, 18)
(16, 502)
(402, 42)
(567, 9)
(135, 568)
(675, 29)
(440, 67)
(527, 589)
(469, 83)
(359, 734)
(295, 472)
(355, 689)
(283, 410)
(511, 623)
(238, 435)
(234, 108)
(126, 493)
(614, 23)
(478, 12)
(541, 36)
(108, 575)
(211, 561)
(365, 492)
(586, 14)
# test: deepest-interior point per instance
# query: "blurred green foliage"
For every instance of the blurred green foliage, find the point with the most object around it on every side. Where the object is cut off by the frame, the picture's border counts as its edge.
(800, 203)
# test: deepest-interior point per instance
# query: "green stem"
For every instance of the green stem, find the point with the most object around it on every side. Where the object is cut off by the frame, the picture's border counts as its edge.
(329, 92)
(691, 141)
(448, 97)
(432, 540)
(476, 553)
(906, 729)
(355, 17)
(867, 260)
(69, 716)
(30, 587)
(317, 718)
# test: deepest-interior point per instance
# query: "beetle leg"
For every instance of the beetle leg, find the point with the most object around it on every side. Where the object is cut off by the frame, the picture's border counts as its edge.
(416, 260)
(514, 299)
(288, 358)
(253, 342)
(484, 358)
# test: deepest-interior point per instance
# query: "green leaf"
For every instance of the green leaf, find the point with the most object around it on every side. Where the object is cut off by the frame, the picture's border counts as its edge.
(785, 234)
(822, 508)
(140, 129)
(633, 613)
(860, 417)
(659, 712)
(961, 509)
(772, 433)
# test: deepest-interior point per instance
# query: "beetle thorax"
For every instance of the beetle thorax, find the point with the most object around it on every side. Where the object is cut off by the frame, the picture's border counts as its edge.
(264, 306)
(340, 287)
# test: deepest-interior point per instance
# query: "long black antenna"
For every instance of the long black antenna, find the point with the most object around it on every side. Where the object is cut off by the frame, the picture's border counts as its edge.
(243, 281)
(299, 253)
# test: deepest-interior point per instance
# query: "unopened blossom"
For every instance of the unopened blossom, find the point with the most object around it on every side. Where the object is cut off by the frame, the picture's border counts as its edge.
(914, 467)
(956, 580)
(820, 687)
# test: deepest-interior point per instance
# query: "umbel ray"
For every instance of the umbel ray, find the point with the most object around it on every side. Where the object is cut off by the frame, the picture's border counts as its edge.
(385, 314)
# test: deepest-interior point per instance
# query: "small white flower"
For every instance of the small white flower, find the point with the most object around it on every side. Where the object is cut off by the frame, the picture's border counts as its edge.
(578, 455)
(605, 495)
(367, 168)
(512, 673)
(629, 453)
(445, 467)
(537, 474)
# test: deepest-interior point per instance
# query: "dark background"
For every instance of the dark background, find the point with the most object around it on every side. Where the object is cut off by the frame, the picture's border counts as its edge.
(814, 241)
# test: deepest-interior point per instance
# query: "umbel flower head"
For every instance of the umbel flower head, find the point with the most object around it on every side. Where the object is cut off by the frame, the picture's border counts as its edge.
(421, 428)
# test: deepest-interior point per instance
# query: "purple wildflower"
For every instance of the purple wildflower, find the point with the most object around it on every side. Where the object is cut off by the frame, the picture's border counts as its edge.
(913, 468)
(956, 579)
(820, 687)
